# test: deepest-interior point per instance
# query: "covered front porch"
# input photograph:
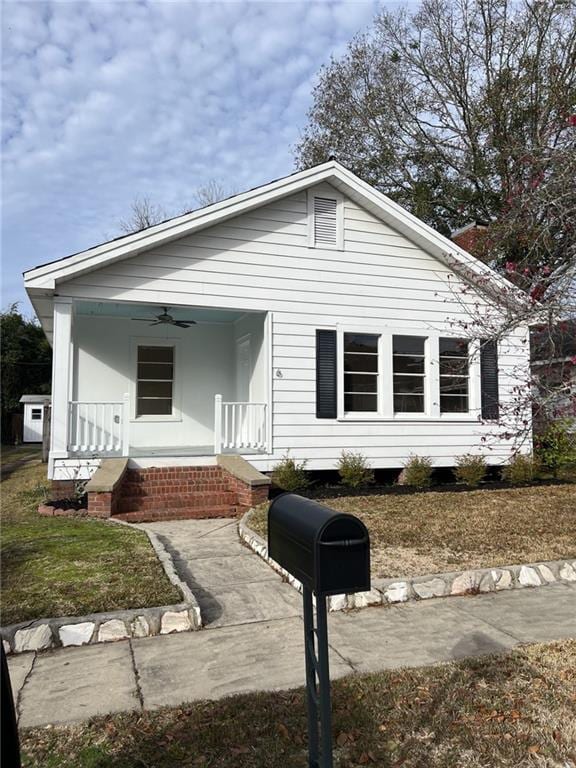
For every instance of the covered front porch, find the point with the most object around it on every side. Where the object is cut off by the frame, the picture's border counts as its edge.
(149, 381)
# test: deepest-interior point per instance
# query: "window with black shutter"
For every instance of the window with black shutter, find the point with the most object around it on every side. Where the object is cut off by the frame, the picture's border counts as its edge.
(326, 375)
(489, 379)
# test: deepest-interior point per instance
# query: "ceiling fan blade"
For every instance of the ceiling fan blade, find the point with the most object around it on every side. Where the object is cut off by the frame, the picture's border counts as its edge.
(158, 322)
(190, 322)
(181, 324)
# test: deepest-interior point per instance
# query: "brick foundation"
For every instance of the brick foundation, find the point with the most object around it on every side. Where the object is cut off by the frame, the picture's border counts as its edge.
(62, 489)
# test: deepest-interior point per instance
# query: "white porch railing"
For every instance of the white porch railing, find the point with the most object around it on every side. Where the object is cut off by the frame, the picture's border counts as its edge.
(239, 426)
(99, 427)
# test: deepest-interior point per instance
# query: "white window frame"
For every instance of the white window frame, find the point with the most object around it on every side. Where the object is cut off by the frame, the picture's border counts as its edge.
(150, 341)
(330, 195)
(432, 376)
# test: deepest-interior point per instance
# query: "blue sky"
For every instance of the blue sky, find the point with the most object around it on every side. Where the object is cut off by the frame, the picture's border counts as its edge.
(104, 102)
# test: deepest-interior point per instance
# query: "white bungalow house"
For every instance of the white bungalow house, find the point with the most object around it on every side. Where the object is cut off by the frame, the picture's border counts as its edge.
(308, 316)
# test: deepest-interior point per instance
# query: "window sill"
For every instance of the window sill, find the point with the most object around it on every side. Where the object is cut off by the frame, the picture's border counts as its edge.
(151, 419)
(467, 418)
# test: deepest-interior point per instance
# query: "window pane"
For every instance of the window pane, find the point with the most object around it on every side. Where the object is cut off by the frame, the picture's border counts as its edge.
(408, 364)
(453, 403)
(36, 414)
(409, 403)
(360, 382)
(162, 371)
(453, 385)
(456, 347)
(155, 389)
(353, 362)
(360, 342)
(454, 366)
(154, 407)
(408, 384)
(360, 402)
(155, 354)
(408, 345)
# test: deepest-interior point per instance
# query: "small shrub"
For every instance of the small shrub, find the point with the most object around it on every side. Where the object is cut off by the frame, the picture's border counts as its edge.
(417, 472)
(354, 470)
(556, 446)
(290, 475)
(470, 470)
(521, 469)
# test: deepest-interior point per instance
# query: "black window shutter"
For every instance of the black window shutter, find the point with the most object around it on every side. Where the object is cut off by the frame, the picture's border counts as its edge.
(489, 378)
(326, 375)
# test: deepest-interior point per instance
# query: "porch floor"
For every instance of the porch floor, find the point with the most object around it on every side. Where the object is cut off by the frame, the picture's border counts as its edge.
(184, 450)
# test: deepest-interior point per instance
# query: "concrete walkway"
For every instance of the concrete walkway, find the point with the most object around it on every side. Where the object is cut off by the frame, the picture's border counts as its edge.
(232, 584)
(254, 637)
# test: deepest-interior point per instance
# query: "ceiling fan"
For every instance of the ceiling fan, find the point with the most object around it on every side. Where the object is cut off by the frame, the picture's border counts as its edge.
(165, 319)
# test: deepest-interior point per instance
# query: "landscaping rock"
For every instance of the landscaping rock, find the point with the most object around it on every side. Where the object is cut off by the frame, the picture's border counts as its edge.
(486, 583)
(432, 588)
(175, 621)
(363, 599)
(140, 627)
(396, 592)
(502, 579)
(6, 646)
(567, 572)
(337, 602)
(546, 573)
(33, 639)
(528, 577)
(115, 629)
(76, 634)
(465, 583)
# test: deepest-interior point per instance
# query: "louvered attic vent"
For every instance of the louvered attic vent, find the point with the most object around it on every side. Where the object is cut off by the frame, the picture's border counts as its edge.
(325, 221)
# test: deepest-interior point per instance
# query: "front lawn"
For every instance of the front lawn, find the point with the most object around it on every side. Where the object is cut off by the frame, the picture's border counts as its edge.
(436, 531)
(512, 711)
(70, 566)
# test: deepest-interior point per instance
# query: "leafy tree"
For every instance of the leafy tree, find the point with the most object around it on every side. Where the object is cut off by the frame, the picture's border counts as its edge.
(454, 109)
(26, 360)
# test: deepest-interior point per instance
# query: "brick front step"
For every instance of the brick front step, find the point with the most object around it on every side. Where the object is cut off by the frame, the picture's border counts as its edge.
(167, 513)
(177, 501)
(170, 489)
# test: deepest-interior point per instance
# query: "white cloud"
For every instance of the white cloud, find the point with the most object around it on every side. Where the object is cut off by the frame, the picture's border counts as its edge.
(103, 102)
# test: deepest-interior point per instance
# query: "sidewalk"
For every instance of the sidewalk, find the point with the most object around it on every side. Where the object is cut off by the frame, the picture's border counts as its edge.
(72, 684)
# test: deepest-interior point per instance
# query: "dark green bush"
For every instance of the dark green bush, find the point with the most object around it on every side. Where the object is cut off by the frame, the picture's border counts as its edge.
(556, 446)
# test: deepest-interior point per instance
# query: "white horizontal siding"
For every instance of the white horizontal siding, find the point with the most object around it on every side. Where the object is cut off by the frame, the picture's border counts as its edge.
(262, 261)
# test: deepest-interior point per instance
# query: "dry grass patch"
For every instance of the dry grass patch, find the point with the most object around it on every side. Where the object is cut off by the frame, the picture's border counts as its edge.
(70, 566)
(439, 531)
(512, 711)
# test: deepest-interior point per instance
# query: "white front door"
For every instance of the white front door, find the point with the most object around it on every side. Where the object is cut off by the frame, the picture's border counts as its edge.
(33, 420)
(243, 369)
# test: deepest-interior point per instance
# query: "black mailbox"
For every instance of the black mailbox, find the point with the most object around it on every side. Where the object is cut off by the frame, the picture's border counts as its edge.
(328, 551)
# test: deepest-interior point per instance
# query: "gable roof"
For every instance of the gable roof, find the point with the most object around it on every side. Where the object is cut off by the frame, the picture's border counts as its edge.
(42, 280)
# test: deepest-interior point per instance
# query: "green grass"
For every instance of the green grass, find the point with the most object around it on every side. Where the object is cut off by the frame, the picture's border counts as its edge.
(511, 711)
(436, 531)
(70, 566)
(19, 453)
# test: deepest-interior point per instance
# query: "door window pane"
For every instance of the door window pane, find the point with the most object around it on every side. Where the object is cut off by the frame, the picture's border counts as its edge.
(409, 373)
(361, 372)
(155, 381)
(454, 376)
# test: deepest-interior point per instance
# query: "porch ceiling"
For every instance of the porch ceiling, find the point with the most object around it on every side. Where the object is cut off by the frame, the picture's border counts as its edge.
(200, 314)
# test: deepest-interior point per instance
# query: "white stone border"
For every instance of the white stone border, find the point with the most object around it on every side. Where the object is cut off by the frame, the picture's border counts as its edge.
(42, 634)
(388, 591)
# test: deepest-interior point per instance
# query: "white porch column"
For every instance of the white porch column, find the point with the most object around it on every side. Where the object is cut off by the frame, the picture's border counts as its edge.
(61, 379)
(217, 424)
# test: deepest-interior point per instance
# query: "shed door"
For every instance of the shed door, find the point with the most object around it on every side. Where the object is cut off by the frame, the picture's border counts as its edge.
(33, 420)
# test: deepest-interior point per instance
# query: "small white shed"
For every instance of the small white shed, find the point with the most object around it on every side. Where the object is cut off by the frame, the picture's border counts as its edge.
(34, 412)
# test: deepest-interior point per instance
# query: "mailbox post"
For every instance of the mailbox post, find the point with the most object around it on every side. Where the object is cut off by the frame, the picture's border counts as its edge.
(329, 552)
